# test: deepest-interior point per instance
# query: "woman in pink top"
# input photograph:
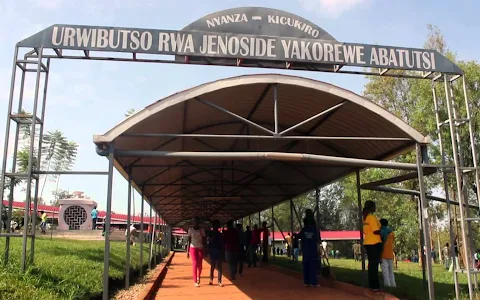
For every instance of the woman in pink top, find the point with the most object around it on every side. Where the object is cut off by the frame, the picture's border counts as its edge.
(195, 246)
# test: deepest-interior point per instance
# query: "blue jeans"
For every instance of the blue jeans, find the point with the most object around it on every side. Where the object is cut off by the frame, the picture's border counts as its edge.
(310, 265)
(295, 254)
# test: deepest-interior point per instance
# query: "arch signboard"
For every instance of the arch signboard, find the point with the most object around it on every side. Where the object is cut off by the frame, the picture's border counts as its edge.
(251, 36)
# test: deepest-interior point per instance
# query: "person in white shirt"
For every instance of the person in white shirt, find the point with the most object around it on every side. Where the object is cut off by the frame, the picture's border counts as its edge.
(133, 232)
(195, 248)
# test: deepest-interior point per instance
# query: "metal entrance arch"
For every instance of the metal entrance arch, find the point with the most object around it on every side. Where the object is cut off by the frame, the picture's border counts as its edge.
(291, 143)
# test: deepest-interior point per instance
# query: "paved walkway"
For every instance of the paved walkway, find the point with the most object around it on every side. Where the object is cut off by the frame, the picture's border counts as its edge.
(257, 283)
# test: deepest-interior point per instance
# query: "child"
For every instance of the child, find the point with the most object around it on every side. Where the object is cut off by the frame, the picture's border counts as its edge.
(388, 256)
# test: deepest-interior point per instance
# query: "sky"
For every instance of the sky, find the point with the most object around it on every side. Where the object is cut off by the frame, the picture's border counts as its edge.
(87, 98)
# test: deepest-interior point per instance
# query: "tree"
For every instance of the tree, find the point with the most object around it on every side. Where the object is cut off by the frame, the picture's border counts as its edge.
(59, 154)
(130, 112)
(60, 194)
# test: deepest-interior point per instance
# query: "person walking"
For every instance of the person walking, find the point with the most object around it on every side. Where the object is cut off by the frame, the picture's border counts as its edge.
(388, 239)
(94, 215)
(296, 246)
(215, 251)
(43, 224)
(310, 238)
(232, 242)
(241, 248)
(373, 243)
(254, 243)
(446, 255)
(195, 246)
(288, 239)
(265, 241)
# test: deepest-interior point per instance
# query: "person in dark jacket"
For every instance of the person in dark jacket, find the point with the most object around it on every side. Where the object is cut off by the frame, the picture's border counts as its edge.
(242, 248)
(310, 239)
(232, 241)
(215, 250)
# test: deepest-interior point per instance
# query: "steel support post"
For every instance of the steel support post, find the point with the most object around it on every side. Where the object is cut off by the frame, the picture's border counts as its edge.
(421, 158)
(273, 225)
(291, 228)
(129, 211)
(472, 139)
(142, 237)
(470, 243)
(151, 227)
(30, 163)
(421, 255)
(445, 187)
(317, 206)
(458, 177)
(317, 213)
(474, 154)
(7, 133)
(360, 223)
(106, 255)
(155, 244)
(39, 158)
(14, 168)
(275, 107)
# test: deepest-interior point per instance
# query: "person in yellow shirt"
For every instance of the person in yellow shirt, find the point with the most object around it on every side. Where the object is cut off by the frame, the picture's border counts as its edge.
(43, 224)
(388, 238)
(288, 239)
(373, 243)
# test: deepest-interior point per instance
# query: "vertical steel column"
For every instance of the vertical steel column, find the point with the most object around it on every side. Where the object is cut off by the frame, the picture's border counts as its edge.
(152, 227)
(426, 230)
(317, 212)
(106, 255)
(470, 243)
(273, 235)
(141, 233)
(7, 133)
(317, 206)
(474, 156)
(458, 177)
(360, 223)
(30, 163)
(421, 255)
(39, 159)
(275, 107)
(129, 211)
(445, 186)
(472, 140)
(291, 228)
(155, 244)
(14, 168)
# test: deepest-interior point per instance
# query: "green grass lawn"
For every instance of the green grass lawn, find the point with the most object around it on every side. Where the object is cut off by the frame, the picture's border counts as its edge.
(64, 269)
(408, 278)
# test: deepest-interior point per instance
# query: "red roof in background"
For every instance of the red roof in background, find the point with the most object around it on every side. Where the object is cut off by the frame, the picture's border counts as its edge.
(327, 235)
(52, 211)
(179, 231)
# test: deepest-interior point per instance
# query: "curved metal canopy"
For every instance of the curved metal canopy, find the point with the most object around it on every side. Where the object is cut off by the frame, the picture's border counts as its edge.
(218, 150)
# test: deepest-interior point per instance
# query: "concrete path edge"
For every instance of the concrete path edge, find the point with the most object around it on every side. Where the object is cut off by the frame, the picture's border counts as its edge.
(157, 277)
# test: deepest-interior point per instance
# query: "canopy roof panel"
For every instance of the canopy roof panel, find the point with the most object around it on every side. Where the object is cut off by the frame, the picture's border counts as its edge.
(241, 110)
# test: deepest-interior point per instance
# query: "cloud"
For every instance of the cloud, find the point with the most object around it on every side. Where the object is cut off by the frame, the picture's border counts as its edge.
(50, 4)
(333, 8)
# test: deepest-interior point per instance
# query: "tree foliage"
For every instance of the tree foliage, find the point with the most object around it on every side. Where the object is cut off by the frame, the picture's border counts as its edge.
(411, 100)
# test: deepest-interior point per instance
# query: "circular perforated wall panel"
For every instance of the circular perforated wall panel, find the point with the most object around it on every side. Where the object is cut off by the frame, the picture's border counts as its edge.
(75, 216)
